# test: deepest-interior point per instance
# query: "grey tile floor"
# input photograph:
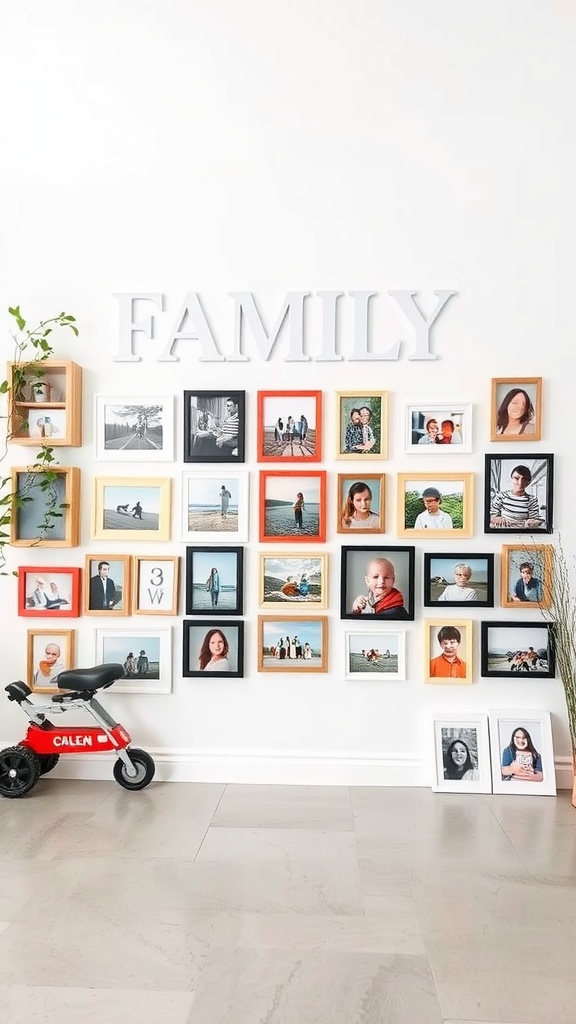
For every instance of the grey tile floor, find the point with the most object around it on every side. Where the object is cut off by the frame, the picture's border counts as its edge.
(213, 904)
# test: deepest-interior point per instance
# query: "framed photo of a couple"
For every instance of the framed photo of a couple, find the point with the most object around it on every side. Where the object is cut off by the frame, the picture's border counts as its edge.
(214, 426)
(289, 426)
(362, 425)
(439, 428)
(49, 590)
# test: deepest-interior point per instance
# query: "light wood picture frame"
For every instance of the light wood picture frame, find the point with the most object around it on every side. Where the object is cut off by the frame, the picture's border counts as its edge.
(49, 652)
(134, 428)
(51, 518)
(131, 508)
(362, 418)
(107, 585)
(526, 576)
(361, 504)
(292, 643)
(287, 580)
(435, 506)
(448, 651)
(516, 409)
(155, 582)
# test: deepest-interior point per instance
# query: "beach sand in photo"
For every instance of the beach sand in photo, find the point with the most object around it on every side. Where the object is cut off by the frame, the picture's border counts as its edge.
(290, 664)
(114, 520)
(212, 520)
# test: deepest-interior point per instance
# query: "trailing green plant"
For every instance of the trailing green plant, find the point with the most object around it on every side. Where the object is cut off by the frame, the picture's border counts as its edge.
(32, 347)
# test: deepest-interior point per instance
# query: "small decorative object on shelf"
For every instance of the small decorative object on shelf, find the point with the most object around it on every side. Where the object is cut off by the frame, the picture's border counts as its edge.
(48, 407)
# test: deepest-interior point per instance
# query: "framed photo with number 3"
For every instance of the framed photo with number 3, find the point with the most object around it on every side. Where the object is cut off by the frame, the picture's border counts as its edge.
(155, 585)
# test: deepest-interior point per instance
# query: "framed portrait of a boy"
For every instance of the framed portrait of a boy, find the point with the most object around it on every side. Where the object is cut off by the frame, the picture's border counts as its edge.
(522, 753)
(434, 506)
(377, 583)
(214, 426)
(461, 753)
(526, 576)
(516, 411)
(361, 503)
(289, 426)
(448, 657)
(518, 494)
(461, 579)
(436, 429)
(517, 650)
(362, 418)
(376, 654)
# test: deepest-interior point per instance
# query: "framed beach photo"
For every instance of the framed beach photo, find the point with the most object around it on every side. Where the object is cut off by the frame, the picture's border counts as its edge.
(155, 585)
(131, 508)
(522, 753)
(518, 494)
(361, 503)
(50, 651)
(146, 655)
(49, 590)
(377, 583)
(465, 578)
(289, 426)
(107, 580)
(215, 506)
(129, 428)
(292, 506)
(435, 506)
(214, 426)
(526, 576)
(516, 411)
(375, 654)
(214, 581)
(461, 753)
(292, 643)
(212, 649)
(439, 429)
(448, 654)
(362, 418)
(293, 580)
(517, 650)
(46, 516)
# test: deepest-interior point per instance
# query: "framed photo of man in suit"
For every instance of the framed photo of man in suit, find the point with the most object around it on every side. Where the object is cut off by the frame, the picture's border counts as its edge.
(107, 585)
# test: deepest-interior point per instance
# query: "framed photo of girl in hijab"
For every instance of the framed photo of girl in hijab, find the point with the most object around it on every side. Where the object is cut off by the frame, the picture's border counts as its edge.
(516, 409)
(461, 754)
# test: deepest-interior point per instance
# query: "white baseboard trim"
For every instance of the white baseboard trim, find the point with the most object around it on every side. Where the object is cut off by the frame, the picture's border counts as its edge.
(272, 767)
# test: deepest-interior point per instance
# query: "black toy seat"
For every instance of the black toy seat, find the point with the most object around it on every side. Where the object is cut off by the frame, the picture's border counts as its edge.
(86, 679)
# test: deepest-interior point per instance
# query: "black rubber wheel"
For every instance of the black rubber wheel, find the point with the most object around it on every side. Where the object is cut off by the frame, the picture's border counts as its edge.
(144, 766)
(19, 771)
(47, 762)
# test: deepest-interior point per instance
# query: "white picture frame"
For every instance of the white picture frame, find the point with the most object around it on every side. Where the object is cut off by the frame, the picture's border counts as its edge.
(375, 654)
(203, 518)
(419, 414)
(113, 646)
(452, 731)
(134, 428)
(503, 724)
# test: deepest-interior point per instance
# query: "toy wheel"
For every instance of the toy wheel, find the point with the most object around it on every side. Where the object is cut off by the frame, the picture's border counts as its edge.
(144, 766)
(19, 771)
(47, 762)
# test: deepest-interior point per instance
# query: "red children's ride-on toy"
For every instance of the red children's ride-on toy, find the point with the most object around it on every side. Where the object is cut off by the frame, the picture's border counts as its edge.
(22, 765)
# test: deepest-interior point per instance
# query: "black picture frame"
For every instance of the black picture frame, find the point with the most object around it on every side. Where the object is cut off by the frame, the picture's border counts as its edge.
(498, 471)
(503, 642)
(439, 573)
(354, 564)
(204, 414)
(194, 633)
(200, 593)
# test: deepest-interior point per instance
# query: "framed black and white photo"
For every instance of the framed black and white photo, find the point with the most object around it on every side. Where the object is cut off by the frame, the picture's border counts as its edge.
(460, 579)
(518, 494)
(518, 650)
(377, 583)
(214, 426)
(129, 428)
(433, 428)
(214, 580)
(213, 649)
(461, 753)
(376, 654)
(522, 753)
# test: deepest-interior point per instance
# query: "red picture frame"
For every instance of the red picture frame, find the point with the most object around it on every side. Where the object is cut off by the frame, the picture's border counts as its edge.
(280, 519)
(49, 590)
(284, 437)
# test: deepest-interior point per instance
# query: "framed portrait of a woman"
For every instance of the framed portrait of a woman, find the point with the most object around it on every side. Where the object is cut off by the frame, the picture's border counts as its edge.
(461, 754)
(213, 649)
(522, 753)
(516, 409)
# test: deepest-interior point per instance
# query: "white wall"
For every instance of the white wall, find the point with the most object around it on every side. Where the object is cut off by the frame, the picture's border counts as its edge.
(218, 146)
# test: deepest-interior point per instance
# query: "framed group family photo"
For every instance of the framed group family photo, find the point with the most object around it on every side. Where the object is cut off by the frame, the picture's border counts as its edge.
(448, 651)
(362, 425)
(213, 649)
(131, 508)
(438, 428)
(377, 583)
(461, 578)
(292, 643)
(524, 650)
(214, 580)
(134, 429)
(518, 494)
(361, 503)
(461, 754)
(522, 753)
(293, 580)
(215, 506)
(526, 576)
(292, 506)
(49, 590)
(376, 654)
(434, 506)
(516, 410)
(214, 426)
(289, 426)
